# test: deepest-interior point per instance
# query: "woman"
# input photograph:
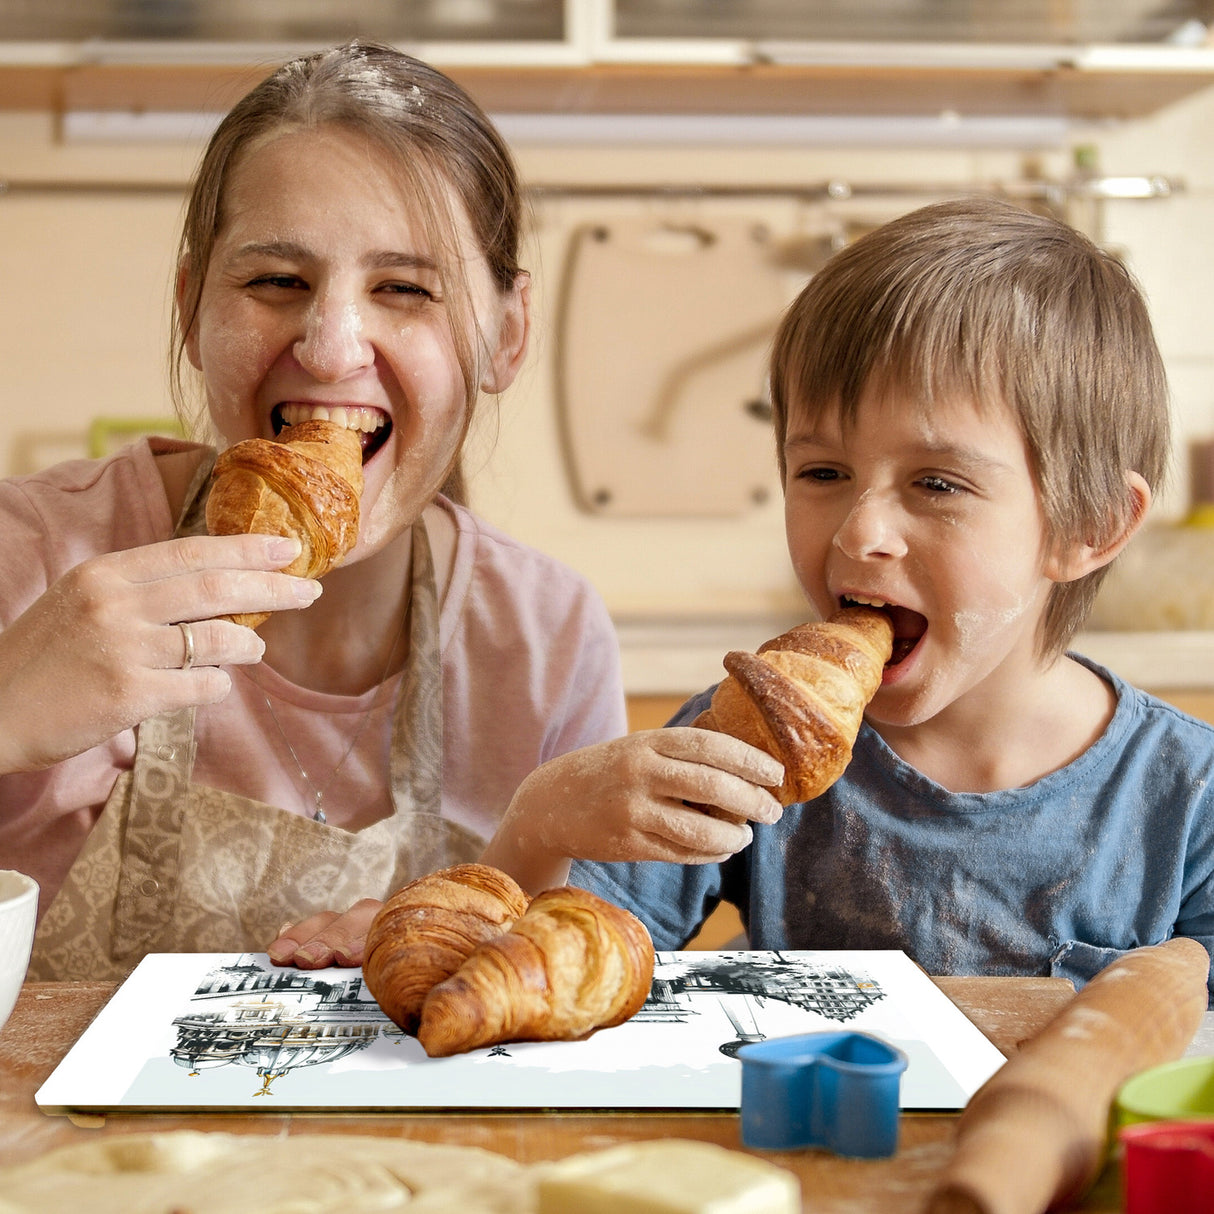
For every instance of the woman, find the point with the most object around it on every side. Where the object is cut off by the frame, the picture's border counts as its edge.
(178, 782)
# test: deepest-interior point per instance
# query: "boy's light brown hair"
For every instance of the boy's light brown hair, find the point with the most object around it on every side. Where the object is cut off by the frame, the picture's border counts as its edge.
(980, 300)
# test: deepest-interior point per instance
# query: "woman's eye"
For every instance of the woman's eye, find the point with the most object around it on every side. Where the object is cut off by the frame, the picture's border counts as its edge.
(282, 281)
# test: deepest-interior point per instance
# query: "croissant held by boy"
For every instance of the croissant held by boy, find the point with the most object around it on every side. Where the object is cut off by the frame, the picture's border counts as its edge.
(801, 698)
(464, 961)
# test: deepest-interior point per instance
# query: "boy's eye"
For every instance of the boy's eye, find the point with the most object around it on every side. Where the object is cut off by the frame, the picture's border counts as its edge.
(819, 474)
(407, 288)
(938, 484)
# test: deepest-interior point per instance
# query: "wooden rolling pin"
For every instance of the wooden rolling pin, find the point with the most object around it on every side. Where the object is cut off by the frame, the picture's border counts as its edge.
(1034, 1136)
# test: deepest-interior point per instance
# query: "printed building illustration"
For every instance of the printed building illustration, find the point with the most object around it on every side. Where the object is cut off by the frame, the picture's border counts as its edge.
(277, 1020)
(274, 1021)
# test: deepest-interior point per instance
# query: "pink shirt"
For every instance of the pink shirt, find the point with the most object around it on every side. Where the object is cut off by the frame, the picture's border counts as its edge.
(529, 656)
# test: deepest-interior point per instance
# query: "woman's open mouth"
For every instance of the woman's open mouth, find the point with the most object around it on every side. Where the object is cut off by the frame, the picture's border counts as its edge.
(373, 425)
(909, 626)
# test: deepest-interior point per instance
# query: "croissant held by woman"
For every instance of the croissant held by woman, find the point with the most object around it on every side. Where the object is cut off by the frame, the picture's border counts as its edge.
(307, 485)
(452, 958)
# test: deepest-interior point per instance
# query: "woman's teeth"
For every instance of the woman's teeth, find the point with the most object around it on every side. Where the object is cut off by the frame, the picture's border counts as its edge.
(349, 417)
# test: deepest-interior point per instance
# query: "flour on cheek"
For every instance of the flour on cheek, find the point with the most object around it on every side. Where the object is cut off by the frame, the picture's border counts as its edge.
(974, 627)
(412, 483)
(227, 399)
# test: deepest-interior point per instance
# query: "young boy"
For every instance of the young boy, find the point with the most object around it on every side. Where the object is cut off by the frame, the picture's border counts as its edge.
(971, 418)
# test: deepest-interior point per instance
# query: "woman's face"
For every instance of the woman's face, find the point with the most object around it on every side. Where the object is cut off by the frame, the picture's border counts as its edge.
(322, 298)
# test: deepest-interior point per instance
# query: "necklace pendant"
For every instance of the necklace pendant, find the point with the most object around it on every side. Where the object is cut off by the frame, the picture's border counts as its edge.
(319, 815)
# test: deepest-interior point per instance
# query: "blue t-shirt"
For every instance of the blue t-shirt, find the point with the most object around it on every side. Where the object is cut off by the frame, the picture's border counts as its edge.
(1059, 878)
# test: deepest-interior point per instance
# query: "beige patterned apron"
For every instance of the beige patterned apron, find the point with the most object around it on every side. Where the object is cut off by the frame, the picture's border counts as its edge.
(171, 866)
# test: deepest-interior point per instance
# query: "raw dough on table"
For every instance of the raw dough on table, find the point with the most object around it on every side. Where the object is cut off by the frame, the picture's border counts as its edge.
(192, 1172)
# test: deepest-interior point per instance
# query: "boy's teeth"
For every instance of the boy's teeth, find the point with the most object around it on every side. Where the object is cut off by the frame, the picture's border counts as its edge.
(355, 417)
(863, 601)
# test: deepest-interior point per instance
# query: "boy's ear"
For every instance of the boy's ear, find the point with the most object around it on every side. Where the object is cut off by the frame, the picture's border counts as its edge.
(514, 328)
(1073, 561)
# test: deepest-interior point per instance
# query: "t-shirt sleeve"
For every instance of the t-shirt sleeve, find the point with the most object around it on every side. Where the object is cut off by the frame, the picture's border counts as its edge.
(594, 708)
(671, 900)
(54, 519)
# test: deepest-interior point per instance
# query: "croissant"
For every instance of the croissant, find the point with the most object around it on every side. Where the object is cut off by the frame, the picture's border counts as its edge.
(424, 932)
(308, 485)
(572, 964)
(802, 697)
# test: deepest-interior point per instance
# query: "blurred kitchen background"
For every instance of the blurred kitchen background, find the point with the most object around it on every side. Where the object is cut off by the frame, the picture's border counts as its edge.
(691, 163)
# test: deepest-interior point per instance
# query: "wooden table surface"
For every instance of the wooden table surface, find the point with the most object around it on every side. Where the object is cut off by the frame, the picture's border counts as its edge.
(49, 1017)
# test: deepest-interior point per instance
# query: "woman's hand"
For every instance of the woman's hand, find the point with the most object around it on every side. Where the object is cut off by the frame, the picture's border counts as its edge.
(324, 939)
(102, 649)
(682, 794)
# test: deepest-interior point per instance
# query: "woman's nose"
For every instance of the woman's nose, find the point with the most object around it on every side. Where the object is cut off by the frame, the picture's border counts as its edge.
(870, 529)
(333, 343)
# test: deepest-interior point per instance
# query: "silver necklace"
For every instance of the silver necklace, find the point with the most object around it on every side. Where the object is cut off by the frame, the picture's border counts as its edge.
(318, 793)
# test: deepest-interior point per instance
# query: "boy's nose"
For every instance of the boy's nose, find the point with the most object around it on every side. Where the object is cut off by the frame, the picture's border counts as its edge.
(870, 529)
(333, 343)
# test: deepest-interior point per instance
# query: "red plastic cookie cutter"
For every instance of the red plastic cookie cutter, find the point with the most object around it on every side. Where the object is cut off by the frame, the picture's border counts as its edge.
(1168, 1167)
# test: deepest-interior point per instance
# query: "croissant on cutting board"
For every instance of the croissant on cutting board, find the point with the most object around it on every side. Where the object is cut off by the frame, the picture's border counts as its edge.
(801, 698)
(307, 485)
(571, 964)
(426, 930)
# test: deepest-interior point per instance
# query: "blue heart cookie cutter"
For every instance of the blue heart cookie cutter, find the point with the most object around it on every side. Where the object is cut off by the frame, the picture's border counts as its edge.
(836, 1090)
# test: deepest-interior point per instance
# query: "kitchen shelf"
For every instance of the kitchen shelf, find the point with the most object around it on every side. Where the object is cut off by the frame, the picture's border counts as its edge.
(1078, 88)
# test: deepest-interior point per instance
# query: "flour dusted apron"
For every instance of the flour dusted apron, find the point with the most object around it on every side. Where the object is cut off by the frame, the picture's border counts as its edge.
(171, 866)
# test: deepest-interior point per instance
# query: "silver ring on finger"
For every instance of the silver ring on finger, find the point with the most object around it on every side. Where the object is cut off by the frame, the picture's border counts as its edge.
(187, 636)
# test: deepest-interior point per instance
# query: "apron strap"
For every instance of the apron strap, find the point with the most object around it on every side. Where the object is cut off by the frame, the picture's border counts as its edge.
(417, 729)
(150, 856)
(151, 847)
(193, 519)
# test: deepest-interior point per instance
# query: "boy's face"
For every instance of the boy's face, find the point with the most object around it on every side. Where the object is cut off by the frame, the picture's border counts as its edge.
(934, 512)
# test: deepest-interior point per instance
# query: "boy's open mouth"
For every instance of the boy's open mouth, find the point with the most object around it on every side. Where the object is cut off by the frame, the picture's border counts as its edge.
(373, 425)
(909, 626)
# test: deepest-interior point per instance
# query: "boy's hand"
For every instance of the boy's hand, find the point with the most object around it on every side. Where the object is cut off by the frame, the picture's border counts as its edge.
(682, 794)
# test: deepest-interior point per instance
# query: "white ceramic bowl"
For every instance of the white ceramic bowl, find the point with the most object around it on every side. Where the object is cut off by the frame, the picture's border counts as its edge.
(18, 910)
